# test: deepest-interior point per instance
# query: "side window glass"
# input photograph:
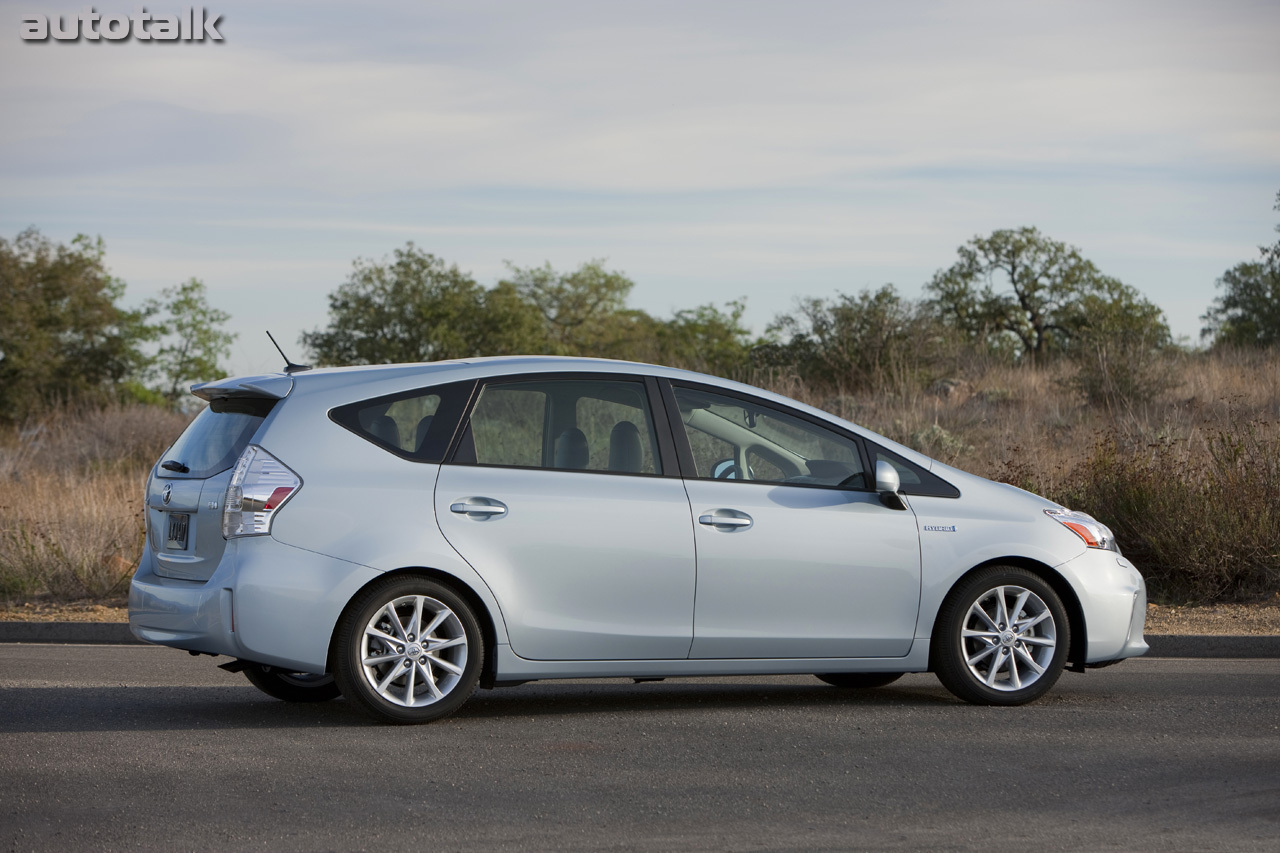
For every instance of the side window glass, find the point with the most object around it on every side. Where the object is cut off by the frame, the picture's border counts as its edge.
(733, 439)
(416, 424)
(508, 426)
(915, 480)
(568, 425)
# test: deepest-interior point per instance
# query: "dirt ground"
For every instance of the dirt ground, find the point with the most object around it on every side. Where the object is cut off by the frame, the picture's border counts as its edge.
(1261, 618)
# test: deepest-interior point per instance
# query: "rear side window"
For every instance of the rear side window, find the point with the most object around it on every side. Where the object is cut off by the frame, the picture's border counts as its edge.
(417, 425)
(215, 439)
(567, 424)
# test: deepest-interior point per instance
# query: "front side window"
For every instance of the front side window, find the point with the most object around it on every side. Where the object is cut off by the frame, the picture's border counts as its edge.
(563, 424)
(735, 439)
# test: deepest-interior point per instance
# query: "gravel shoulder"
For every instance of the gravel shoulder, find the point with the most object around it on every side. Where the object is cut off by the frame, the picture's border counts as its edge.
(1260, 619)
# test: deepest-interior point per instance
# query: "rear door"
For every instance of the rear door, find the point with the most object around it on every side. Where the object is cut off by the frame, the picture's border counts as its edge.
(561, 497)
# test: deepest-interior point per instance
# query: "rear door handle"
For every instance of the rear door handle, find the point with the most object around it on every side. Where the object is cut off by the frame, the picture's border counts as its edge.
(478, 507)
(726, 519)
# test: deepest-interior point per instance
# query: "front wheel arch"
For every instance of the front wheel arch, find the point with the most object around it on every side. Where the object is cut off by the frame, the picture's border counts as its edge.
(1079, 649)
(488, 667)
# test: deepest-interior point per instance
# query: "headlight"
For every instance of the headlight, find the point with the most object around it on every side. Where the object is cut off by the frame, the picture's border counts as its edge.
(1094, 533)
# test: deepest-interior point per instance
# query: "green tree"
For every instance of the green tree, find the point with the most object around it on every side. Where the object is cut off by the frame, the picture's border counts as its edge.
(584, 312)
(707, 339)
(63, 334)
(856, 342)
(1247, 313)
(414, 307)
(192, 339)
(1018, 289)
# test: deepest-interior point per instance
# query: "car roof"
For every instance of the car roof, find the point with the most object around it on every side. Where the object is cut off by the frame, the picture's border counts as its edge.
(379, 379)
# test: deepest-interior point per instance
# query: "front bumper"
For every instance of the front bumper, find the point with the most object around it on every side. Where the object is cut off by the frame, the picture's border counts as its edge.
(1113, 597)
(267, 602)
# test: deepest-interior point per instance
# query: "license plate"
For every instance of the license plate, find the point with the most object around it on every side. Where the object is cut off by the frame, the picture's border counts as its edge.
(177, 531)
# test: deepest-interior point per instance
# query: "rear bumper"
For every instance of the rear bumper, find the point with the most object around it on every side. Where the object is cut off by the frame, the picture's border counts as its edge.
(266, 602)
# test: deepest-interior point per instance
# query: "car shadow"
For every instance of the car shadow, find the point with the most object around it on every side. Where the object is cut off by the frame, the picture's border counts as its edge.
(89, 709)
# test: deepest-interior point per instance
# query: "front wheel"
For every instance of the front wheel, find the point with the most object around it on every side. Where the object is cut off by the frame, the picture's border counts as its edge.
(1002, 637)
(408, 650)
(291, 686)
(859, 679)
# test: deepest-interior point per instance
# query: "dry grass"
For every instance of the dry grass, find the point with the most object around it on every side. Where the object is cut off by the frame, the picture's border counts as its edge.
(1190, 480)
(71, 500)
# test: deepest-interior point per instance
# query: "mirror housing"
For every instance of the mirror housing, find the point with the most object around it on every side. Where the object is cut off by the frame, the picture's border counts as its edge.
(887, 484)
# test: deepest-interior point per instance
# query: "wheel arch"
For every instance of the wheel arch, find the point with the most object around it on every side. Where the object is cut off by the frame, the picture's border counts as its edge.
(487, 626)
(1078, 651)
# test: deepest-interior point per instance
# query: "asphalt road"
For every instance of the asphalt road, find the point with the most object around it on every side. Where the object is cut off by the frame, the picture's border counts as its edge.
(111, 747)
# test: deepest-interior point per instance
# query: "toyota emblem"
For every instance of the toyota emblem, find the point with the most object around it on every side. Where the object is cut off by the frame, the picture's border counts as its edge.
(168, 493)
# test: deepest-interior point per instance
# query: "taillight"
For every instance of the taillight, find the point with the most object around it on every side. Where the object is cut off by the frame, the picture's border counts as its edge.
(259, 486)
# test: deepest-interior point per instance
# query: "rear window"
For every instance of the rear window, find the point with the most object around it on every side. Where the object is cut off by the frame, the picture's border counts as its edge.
(417, 425)
(216, 438)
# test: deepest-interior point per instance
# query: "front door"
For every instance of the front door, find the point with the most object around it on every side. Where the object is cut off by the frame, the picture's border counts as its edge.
(556, 498)
(797, 557)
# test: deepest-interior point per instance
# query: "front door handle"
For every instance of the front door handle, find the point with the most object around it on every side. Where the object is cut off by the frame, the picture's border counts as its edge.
(726, 519)
(479, 508)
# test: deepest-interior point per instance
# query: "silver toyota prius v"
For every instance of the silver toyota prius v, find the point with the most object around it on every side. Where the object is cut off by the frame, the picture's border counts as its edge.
(399, 534)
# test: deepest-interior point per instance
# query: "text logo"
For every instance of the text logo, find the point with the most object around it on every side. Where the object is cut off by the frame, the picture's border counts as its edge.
(940, 528)
(193, 25)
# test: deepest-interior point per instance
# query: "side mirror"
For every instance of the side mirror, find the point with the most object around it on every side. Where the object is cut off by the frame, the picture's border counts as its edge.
(887, 484)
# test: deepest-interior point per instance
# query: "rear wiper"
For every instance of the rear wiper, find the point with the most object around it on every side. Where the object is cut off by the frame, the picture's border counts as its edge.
(175, 466)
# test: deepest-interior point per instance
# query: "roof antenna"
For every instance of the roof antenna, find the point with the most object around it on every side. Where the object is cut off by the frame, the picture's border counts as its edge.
(289, 366)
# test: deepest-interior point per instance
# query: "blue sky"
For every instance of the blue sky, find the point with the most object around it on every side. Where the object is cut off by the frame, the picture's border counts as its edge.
(710, 150)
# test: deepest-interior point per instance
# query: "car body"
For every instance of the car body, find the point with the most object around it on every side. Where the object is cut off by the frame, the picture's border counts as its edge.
(502, 520)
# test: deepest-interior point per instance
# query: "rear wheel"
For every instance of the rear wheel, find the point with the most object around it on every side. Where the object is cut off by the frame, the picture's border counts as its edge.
(859, 679)
(1002, 637)
(408, 650)
(291, 686)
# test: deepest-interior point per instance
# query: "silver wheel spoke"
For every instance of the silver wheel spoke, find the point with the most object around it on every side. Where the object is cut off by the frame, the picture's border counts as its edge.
(995, 667)
(445, 665)
(983, 635)
(977, 610)
(390, 641)
(1018, 605)
(1029, 661)
(1039, 641)
(435, 623)
(1013, 671)
(409, 679)
(982, 654)
(391, 676)
(416, 622)
(1031, 623)
(379, 659)
(446, 644)
(1002, 612)
(431, 681)
(394, 619)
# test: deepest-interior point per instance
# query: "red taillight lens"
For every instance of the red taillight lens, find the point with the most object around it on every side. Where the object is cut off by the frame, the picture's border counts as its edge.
(277, 497)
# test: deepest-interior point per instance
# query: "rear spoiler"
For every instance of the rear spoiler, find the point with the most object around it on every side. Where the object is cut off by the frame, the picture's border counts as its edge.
(271, 386)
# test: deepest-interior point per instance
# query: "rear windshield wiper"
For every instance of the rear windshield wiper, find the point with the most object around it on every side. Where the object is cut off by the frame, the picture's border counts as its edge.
(175, 466)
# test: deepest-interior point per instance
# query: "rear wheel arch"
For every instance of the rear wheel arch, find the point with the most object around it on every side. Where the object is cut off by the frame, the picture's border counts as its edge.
(489, 667)
(1070, 602)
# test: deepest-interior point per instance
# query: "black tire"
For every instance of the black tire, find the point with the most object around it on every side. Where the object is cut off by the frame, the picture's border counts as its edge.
(862, 680)
(291, 686)
(964, 664)
(408, 664)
